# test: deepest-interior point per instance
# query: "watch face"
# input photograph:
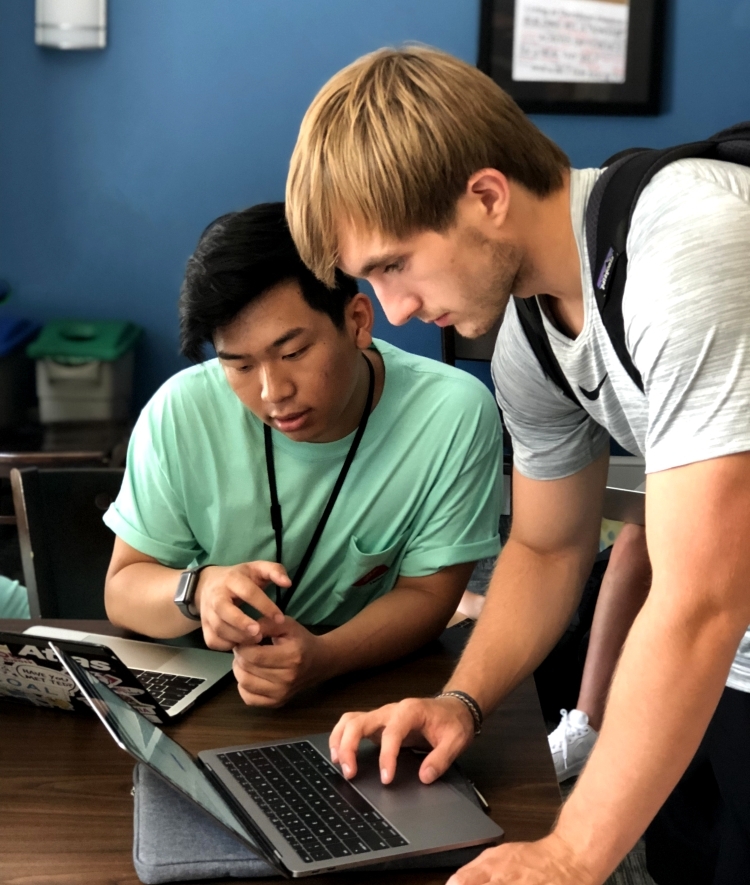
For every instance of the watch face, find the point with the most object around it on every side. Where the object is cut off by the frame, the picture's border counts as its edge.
(184, 587)
(186, 593)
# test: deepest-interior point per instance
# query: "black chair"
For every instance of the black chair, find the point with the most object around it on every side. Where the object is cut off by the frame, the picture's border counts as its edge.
(456, 347)
(65, 546)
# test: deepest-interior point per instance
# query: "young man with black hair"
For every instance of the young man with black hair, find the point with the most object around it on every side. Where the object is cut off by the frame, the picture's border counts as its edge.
(298, 389)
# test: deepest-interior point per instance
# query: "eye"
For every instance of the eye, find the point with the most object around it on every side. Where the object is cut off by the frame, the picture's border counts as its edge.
(394, 266)
(296, 353)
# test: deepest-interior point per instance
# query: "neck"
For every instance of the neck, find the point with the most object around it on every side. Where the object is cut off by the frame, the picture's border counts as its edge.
(552, 265)
(358, 400)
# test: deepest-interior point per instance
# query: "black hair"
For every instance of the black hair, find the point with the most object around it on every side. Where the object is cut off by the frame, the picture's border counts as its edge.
(239, 257)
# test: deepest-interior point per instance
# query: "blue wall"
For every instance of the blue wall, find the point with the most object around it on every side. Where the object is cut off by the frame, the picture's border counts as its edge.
(112, 162)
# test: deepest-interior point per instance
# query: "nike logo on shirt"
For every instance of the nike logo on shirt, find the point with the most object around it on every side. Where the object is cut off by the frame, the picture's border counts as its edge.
(593, 394)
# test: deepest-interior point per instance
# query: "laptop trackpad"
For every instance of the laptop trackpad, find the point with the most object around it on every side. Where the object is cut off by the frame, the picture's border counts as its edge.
(141, 655)
(410, 805)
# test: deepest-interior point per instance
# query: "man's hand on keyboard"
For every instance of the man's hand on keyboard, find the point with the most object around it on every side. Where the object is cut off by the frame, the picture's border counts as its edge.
(268, 675)
(443, 724)
(222, 589)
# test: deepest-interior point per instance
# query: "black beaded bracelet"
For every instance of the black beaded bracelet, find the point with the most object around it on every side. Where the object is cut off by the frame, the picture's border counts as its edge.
(471, 705)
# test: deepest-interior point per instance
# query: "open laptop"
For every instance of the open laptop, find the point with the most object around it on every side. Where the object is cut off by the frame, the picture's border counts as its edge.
(289, 804)
(625, 495)
(163, 680)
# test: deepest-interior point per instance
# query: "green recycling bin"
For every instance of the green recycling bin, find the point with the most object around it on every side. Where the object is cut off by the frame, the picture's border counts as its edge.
(84, 370)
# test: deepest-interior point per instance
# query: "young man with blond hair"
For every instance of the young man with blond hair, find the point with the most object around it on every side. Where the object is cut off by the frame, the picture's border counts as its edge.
(416, 172)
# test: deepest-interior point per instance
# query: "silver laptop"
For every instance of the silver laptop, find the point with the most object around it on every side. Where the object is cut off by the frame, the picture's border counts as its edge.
(289, 804)
(625, 495)
(175, 677)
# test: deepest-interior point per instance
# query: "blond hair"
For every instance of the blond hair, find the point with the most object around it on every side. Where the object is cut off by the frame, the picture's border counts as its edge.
(390, 142)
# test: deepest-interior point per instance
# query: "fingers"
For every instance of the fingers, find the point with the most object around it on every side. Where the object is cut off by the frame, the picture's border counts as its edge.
(436, 763)
(246, 582)
(215, 642)
(482, 869)
(410, 722)
(534, 863)
(337, 736)
(262, 574)
(390, 725)
(449, 729)
(225, 626)
(256, 658)
(278, 671)
(224, 623)
(349, 731)
(477, 872)
(407, 717)
(256, 690)
(271, 628)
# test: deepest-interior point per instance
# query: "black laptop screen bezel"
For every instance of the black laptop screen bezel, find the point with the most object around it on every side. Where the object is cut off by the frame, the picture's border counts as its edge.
(101, 699)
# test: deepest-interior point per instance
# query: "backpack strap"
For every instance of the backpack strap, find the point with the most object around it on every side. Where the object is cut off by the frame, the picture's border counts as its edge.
(610, 211)
(530, 317)
(608, 215)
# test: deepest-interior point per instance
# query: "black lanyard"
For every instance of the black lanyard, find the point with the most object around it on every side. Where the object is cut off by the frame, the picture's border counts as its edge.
(283, 597)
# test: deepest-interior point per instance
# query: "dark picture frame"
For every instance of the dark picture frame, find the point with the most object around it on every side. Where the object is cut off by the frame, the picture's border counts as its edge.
(639, 94)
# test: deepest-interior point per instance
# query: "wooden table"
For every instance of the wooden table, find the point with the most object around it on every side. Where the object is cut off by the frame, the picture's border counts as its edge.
(65, 803)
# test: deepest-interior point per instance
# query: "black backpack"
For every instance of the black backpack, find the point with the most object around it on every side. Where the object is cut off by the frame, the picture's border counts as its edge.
(608, 216)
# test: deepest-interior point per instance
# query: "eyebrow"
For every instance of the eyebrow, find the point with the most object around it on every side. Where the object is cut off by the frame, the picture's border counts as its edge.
(279, 342)
(376, 262)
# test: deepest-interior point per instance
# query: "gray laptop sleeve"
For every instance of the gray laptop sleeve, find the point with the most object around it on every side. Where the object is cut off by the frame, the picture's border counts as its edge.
(175, 841)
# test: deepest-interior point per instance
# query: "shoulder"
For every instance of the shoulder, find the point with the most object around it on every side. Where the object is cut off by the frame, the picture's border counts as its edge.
(193, 385)
(689, 238)
(435, 384)
(724, 176)
(188, 399)
(691, 195)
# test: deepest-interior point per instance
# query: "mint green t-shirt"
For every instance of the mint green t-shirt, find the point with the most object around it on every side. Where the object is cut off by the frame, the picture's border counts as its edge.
(423, 492)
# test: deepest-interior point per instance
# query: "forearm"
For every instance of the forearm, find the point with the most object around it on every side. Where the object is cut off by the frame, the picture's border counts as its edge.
(140, 597)
(388, 628)
(622, 593)
(668, 682)
(530, 601)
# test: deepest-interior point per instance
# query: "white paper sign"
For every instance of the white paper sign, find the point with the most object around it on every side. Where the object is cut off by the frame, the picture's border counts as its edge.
(570, 41)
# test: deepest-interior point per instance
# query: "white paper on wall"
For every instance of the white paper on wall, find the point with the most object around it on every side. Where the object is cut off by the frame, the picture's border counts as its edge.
(570, 41)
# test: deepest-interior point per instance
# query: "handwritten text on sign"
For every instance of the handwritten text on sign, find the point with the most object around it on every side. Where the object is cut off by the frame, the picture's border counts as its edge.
(570, 41)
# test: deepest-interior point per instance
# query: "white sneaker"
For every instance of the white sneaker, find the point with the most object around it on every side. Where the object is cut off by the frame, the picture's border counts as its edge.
(570, 743)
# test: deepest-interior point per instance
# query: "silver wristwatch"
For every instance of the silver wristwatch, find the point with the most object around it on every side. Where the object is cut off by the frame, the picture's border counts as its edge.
(185, 594)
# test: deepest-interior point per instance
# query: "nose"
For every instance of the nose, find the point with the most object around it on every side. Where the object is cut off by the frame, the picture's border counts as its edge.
(399, 308)
(276, 385)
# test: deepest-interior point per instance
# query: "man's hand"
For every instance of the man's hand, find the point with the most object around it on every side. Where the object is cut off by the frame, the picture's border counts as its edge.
(222, 589)
(443, 724)
(550, 861)
(268, 675)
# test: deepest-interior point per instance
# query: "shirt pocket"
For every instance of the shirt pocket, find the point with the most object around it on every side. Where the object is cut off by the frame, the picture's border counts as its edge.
(366, 575)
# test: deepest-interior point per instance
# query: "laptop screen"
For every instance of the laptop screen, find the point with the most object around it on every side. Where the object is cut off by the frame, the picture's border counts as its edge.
(150, 745)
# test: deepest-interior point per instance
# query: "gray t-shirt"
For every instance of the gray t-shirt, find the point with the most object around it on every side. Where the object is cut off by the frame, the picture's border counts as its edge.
(686, 312)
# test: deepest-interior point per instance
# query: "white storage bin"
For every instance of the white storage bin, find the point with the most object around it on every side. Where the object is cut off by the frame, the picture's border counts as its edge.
(91, 391)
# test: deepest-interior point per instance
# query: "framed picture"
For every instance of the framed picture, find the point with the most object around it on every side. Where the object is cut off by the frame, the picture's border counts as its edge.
(575, 56)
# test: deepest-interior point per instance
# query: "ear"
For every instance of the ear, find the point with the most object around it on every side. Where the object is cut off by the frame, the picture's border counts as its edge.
(488, 195)
(359, 318)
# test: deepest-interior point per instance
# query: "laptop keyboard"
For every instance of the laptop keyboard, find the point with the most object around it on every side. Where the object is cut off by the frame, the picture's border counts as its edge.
(167, 688)
(310, 803)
